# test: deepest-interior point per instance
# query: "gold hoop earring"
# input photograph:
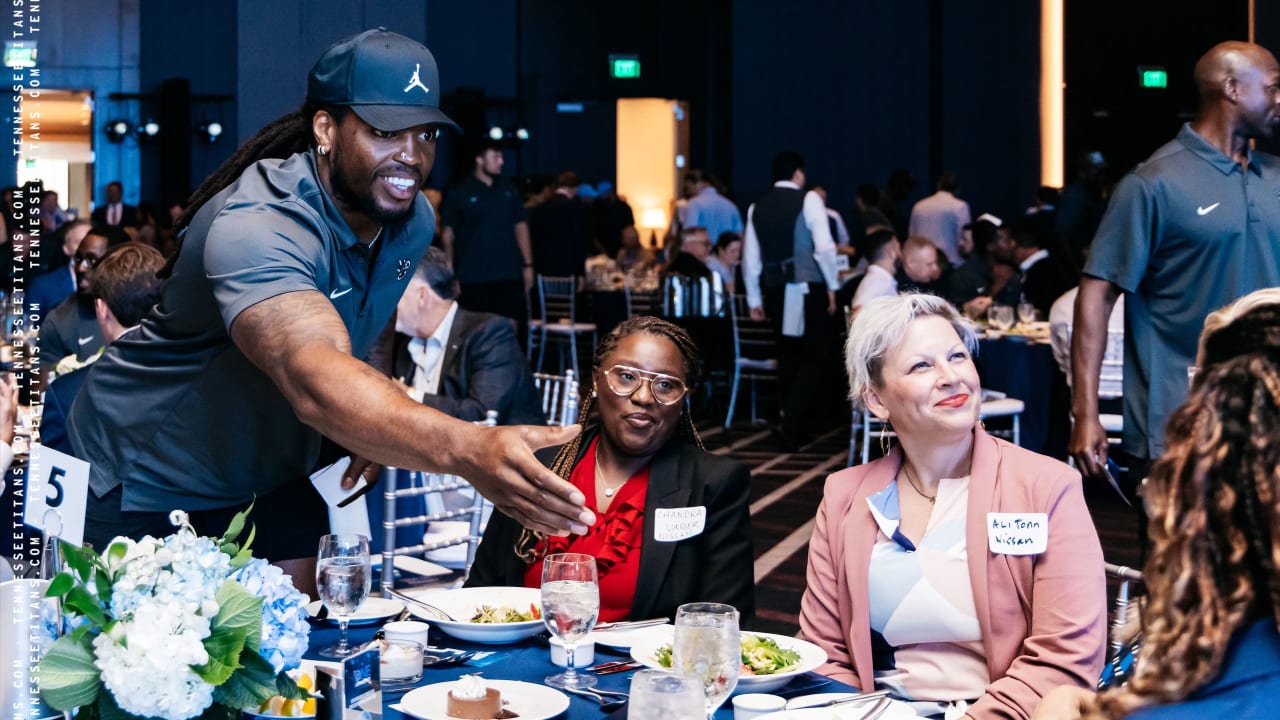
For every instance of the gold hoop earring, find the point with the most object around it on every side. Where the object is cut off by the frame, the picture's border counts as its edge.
(885, 444)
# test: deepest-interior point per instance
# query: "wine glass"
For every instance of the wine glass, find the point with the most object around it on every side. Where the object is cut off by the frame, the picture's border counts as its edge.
(343, 579)
(661, 695)
(570, 607)
(1000, 317)
(707, 647)
(1026, 313)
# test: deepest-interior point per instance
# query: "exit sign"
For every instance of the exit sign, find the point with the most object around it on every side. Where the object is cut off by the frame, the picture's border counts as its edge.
(624, 66)
(1153, 77)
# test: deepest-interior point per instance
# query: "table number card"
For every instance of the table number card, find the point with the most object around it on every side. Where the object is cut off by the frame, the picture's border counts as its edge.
(57, 491)
(361, 676)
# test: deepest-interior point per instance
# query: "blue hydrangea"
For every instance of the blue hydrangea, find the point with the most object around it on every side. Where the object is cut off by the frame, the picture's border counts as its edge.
(285, 628)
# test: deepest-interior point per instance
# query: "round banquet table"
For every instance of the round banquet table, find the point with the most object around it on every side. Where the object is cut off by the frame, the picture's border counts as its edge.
(530, 661)
(1026, 370)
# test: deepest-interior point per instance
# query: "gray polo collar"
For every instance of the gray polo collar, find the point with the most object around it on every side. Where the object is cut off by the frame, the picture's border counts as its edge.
(1212, 155)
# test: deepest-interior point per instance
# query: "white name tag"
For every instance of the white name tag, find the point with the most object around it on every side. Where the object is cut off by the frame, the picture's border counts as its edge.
(675, 524)
(1018, 533)
(57, 493)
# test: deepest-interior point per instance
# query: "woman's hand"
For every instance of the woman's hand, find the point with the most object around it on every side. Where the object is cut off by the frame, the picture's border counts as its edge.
(1066, 702)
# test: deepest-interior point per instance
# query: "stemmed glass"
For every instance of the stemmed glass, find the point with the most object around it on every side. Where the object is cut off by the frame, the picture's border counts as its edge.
(1000, 317)
(343, 579)
(570, 607)
(1026, 313)
(708, 648)
(659, 695)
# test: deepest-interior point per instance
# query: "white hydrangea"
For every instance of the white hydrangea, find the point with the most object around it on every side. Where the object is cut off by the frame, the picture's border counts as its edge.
(152, 676)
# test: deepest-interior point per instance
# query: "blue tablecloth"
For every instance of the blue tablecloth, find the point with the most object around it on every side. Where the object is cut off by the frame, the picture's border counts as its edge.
(1027, 371)
(530, 661)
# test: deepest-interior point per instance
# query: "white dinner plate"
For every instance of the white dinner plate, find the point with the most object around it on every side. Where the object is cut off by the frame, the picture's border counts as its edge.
(621, 639)
(811, 656)
(463, 603)
(529, 701)
(373, 610)
(799, 709)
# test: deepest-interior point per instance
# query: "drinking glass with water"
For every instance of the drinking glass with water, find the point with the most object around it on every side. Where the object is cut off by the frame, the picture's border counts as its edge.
(661, 695)
(343, 580)
(707, 648)
(570, 607)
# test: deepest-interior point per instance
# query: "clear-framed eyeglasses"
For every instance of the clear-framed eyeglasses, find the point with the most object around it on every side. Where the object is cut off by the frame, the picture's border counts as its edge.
(665, 389)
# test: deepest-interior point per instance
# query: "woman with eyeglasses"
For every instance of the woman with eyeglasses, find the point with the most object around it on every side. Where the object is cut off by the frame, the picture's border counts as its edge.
(673, 521)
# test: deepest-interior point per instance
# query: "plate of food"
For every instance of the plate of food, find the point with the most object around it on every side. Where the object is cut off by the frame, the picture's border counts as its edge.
(473, 697)
(768, 661)
(492, 615)
(372, 611)
(623, 638)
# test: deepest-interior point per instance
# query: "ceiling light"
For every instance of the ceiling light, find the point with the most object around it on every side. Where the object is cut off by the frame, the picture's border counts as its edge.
(495, 133)
(117, 130)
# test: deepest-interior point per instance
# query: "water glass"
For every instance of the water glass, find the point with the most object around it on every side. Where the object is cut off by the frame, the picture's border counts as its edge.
(662, 695)
(343, 580)
(707, 648)
(1026, 313)
(570, 607)
(1000, 317)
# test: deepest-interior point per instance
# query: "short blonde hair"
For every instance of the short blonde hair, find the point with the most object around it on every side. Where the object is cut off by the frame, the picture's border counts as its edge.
(880, 325)
(1225, 315)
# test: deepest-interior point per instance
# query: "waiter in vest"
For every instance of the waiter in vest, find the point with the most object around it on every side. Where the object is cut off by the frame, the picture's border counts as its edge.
(789, 267)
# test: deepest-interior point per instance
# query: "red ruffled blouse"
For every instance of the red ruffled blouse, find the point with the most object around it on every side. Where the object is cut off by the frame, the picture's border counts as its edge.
(614, 540)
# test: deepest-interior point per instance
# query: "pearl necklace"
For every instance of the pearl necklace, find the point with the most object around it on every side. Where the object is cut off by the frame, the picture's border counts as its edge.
(608, 491)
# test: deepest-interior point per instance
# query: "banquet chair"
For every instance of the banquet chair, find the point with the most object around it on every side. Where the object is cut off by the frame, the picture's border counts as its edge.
(1111, 383)
(867, 427)
(438, 492)
(641, 302)
(560, 396)
(1124, 640)
(754, 348)
(555, 318)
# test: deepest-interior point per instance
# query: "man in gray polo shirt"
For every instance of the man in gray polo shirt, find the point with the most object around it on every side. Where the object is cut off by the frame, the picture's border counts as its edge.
(290, 269)
(1191, 229)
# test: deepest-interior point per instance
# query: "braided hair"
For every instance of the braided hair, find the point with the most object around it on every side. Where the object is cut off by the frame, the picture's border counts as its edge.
(1214, 498)
(562, 465)
(285, 136)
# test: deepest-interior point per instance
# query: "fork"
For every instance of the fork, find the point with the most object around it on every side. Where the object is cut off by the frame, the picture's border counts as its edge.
(607, 704)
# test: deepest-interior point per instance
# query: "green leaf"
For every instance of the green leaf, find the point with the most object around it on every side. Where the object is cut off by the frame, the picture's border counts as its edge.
(246, 552)
(288, 688)
(75, 557)
(239, 609)
(116, 553)
(67, 675)
(229, 548)
(79, 600)
(253, 683)
(79, 633)
(62, 582)
(224, 648)
(237, 524)
(103, 585)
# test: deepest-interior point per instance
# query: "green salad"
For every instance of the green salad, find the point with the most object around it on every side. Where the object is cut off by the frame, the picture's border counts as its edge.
(760, 656)
(499, 614)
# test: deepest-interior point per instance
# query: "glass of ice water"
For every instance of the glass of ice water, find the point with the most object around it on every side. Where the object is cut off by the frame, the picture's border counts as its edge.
(1026, 313)
(661, 695)
(343, 580)
(708, 649)
(570, 607)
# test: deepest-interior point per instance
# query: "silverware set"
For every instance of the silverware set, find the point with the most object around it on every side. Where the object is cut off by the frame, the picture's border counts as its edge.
(616, 666)
(609, 700)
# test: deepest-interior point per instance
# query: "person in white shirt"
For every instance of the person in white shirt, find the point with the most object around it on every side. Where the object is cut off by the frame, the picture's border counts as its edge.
(789, 253)
(459, 362)
(883, 251)
(941, 217)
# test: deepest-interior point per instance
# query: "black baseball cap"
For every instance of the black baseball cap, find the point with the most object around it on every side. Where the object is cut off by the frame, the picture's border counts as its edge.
(390, 81)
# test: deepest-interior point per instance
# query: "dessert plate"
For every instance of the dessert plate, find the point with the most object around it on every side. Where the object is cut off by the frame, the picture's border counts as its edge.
(529, 701)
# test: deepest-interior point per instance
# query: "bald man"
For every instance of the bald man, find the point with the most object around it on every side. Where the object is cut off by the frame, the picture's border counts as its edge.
(1193, 228)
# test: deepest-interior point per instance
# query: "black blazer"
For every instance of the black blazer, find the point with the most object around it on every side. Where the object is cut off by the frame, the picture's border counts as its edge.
(128, 215)
(716, 566)
(484, 369)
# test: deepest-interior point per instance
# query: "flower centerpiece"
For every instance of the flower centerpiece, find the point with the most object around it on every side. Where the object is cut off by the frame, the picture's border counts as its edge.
(176, 628)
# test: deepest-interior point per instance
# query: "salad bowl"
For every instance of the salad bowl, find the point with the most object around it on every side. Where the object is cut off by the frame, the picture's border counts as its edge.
(490, 615)
(772, 667)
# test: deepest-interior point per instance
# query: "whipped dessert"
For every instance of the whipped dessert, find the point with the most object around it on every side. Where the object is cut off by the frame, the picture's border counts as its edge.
(471, 699)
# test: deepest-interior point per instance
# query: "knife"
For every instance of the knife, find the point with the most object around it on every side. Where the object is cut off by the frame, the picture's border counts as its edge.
(631, 624)
(850, 699)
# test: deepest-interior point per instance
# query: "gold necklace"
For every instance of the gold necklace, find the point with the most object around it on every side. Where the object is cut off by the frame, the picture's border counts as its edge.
(608, 491)
(931, 498)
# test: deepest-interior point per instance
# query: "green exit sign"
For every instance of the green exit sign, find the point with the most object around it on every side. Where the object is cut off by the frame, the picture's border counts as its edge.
(1154, 77)
(624, 66)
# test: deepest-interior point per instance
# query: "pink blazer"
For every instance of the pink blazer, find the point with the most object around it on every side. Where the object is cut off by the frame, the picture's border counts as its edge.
(1043, 617)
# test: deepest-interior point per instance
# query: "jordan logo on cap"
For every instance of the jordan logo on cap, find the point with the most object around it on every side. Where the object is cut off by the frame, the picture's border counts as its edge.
(416, 81)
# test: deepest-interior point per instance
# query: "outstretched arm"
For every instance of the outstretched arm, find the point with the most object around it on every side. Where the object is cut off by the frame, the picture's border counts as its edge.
(301, 343)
